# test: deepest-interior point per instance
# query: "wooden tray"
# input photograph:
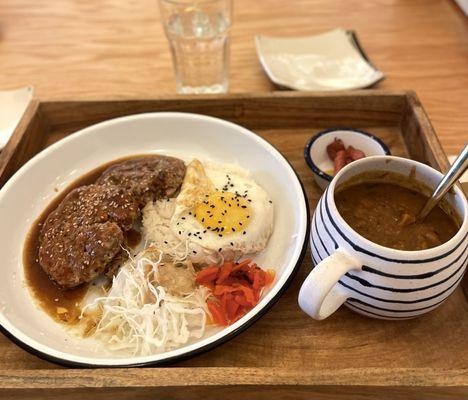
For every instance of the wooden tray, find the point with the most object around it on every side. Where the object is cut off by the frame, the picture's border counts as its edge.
(285, 354)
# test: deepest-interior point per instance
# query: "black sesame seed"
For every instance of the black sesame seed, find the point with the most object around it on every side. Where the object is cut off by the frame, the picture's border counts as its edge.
(194, 252)
(244, 206)
(270, 201)
(232, 244)
(219, 222)
(189, 234)
(244, 233)
(183, 218)
(219, 234)
(165, 242)
(220, 249)
(232, 229)
(203, 220)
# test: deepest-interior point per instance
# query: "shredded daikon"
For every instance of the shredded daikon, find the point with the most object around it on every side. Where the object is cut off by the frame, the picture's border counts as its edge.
(141, 317)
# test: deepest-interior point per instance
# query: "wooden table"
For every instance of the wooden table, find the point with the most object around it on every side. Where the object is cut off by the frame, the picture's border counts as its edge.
(117, 48)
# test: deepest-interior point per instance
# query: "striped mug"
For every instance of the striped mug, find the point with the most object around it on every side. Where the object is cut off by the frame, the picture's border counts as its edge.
(371, 279)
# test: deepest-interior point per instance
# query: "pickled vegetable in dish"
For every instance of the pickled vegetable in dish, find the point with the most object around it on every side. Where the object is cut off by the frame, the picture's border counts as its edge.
(341, 155)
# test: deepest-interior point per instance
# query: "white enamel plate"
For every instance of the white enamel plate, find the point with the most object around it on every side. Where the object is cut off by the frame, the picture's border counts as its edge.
(31, 189)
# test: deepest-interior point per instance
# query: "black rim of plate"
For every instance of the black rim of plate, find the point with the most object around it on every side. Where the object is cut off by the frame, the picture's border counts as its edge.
(311, 141)
(247, 324)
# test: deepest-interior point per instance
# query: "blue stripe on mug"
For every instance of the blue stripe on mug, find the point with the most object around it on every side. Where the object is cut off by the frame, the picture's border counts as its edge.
(313, 258)
(314, 248)
(320, 239)
(416, 276)
(325, 225)
(365, 283)
(374, 307)
(402, 301)
(399, 317)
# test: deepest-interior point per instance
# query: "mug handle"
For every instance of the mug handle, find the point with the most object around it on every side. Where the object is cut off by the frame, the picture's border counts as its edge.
(320, 296)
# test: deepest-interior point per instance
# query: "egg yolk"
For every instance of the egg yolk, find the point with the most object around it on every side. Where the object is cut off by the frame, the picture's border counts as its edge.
(224, 213)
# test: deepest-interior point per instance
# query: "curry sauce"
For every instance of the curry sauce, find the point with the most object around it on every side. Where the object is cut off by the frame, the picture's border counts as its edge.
(385, 213)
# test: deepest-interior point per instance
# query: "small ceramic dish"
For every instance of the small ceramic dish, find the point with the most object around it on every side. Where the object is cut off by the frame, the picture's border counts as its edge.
(333, 60)
(316, 155)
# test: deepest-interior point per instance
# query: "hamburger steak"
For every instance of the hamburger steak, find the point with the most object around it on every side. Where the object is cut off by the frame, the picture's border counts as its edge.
(82, 237)
(146, 178)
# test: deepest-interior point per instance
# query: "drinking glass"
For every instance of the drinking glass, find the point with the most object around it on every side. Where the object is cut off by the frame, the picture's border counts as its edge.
(198, 35)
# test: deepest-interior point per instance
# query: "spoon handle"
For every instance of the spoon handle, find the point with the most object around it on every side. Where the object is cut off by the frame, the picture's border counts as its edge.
(456, 170)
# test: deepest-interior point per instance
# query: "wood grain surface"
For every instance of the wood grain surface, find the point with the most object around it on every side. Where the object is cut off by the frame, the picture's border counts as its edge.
(117, 49)
(232, 384)
(285, 354)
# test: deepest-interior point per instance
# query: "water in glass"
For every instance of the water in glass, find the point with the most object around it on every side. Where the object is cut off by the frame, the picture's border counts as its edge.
(200, 48)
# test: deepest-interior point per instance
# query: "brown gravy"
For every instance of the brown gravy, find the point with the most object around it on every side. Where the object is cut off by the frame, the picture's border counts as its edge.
(384, 213)
(132, 238)
(61, 304)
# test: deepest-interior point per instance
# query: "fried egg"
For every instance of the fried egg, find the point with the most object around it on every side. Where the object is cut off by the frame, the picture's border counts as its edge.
(220, 212)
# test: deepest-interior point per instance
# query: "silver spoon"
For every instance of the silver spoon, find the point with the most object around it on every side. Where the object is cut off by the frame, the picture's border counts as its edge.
(456, 170)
